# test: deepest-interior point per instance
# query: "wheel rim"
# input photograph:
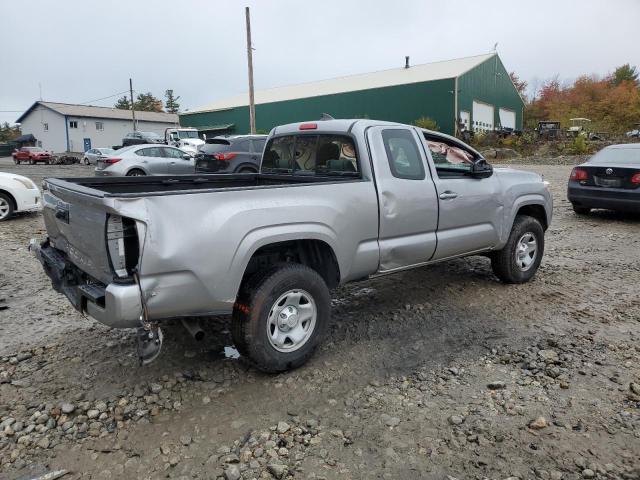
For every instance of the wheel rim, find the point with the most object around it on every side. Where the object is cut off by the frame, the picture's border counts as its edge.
(526, 251)
(291, 321)
(136, 173)
(4, 208)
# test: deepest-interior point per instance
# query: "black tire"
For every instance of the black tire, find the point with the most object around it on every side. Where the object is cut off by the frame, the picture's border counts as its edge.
(504, 262)
(581, 210)
(31, 162)
(47, 162)
(6, 200)
(254, 305)
(16, 161)
(86, 161)
(136, 172)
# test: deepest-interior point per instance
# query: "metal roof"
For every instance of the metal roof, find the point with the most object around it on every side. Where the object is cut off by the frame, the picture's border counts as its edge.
(101, 112)
(364, 81)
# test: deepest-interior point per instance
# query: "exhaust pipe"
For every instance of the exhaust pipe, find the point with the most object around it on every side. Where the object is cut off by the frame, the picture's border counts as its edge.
(194, 328)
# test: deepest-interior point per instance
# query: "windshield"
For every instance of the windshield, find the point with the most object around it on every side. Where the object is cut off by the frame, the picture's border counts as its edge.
(188, 133)
(627, 156)
(149, 135)
(34, 149)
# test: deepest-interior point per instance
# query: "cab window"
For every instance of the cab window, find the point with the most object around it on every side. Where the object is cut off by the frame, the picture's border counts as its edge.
(403, 154)
(450, 159)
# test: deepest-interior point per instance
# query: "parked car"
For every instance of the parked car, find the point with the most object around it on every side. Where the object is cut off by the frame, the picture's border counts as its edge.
(335, 201)
(635, 133)
(17, 194)
(32, 155)
(233, 154)
(91, 156)
(610, 179)
(140, 160)
(140, 138)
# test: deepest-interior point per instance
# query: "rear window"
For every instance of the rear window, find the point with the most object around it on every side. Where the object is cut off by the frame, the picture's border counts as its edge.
(311, 155)
(215, 146)
(625, 156)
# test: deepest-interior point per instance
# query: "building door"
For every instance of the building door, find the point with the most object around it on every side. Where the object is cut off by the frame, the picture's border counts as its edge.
(507, 118)
(482, 117)
(87, 144)
(465, 120)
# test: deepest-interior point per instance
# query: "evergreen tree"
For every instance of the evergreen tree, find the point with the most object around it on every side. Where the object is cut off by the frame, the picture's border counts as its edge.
(625, 73)
(146, 102)
(171, 102)
(123, 103)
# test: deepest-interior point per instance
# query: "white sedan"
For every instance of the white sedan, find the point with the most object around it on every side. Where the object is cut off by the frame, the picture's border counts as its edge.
(17, 194)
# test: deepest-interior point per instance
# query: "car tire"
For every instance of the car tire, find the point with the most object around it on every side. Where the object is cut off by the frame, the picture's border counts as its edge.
(16, 161)
(47, 162)
(6, 207)
(32, 162)
(136, 172)
(86, 161)
(520, 258)
(581, 210)
(267, 324)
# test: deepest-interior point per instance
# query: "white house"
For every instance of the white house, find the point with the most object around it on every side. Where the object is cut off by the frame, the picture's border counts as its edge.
(63, 127)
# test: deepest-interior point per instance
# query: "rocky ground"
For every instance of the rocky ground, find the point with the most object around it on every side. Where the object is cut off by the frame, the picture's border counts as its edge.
(440, 372)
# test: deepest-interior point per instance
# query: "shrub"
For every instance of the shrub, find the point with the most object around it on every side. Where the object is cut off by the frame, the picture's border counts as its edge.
(427, 123)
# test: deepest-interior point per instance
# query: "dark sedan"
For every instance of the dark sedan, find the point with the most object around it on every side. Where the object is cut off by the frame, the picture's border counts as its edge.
(610, 179)
(233, 154)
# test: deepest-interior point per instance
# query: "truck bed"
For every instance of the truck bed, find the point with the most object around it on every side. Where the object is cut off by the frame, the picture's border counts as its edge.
(172, 185)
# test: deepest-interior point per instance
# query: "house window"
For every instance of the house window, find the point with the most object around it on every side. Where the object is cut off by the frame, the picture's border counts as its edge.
(73, 124)
(46, 127)
(99, 126)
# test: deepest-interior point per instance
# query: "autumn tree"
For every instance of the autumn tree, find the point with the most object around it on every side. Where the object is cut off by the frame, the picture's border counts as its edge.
(146, 102)
(521, 85)
(171, 101)
(8, 132)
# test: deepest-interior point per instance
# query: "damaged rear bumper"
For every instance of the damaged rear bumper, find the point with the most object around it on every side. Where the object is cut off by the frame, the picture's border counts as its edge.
(115, 305)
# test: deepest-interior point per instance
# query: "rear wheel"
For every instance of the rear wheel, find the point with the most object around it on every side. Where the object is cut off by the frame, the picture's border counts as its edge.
(581, 210)
(520, 258)
(32, 162)
(6, 207)
(135, 173)
(280, 317)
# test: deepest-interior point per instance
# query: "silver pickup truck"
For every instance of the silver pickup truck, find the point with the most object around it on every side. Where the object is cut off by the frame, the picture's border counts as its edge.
(335, 201)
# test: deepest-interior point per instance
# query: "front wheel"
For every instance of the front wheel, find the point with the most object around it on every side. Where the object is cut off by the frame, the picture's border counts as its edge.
(280, 317)
(6, 207)
(16, 161)
(520, 258)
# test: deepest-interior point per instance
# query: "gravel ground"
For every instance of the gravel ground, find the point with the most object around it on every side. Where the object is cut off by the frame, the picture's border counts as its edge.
(441, 372)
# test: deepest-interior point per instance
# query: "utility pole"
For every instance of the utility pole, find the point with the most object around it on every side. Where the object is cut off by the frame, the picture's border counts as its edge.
(133, 110)
(252, 105)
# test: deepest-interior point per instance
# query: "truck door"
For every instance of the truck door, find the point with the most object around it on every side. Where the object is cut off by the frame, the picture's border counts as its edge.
(471, 209)
(407, 198)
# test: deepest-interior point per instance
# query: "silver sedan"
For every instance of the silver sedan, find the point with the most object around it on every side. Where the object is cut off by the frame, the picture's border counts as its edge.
(91, 156)
(149, 159)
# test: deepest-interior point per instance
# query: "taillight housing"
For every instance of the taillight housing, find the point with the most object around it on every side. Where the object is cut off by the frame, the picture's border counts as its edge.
(636, 178)
(579, 174)
(111, 161)
(224, 156)
(308, 126)
(123, 245)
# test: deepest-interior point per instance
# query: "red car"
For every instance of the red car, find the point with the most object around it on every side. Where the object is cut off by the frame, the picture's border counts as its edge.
(32, 155)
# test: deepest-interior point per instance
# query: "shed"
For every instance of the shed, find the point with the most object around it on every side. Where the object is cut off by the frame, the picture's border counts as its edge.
(478, 88)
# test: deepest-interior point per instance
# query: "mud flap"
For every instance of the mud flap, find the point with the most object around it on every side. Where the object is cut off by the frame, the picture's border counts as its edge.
(149, 343)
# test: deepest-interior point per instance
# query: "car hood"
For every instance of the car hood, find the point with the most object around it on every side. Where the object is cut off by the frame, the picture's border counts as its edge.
(513, 175)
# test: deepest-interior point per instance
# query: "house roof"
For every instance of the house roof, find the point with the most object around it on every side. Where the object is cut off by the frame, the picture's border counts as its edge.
(101, 112)
(364, 81)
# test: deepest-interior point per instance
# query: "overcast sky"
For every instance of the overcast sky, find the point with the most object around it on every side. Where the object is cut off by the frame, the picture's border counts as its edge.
(82, 50)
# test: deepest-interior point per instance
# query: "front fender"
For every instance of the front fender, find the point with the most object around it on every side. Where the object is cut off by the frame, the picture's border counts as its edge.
(540, 199)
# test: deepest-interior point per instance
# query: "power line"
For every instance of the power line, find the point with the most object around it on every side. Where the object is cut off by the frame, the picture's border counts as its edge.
(103, 98)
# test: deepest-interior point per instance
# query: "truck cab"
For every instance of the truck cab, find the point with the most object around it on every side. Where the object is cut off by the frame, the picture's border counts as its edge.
(186, 139)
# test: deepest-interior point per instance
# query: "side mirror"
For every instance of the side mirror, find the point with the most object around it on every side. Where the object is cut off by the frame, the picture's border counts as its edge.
(186, 156)
(481, 169)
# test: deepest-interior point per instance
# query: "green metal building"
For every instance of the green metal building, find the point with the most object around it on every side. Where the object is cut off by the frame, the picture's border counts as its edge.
(477, 92)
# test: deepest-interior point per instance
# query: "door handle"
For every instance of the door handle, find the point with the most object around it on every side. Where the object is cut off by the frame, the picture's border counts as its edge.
(448, 195)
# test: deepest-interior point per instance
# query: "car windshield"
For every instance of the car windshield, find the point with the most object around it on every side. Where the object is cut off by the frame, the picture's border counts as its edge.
(34, 149)
(188, 133)
(627, 156)
(215, 146)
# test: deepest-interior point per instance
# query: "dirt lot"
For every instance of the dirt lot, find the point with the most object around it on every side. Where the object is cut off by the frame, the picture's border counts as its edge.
(441, 372)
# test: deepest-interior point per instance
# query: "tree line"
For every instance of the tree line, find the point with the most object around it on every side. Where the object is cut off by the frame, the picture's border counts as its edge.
(611, 102)
(147, 102)
(8, 132)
